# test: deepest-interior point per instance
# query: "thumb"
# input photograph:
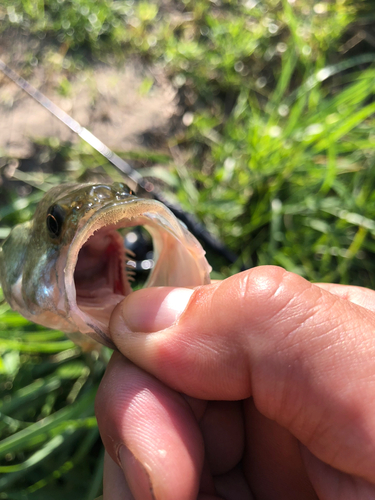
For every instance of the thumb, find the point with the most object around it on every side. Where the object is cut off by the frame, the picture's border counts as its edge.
(173, 334)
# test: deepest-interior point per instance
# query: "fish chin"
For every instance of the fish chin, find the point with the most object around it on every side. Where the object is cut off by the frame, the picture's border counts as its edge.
(95, 277)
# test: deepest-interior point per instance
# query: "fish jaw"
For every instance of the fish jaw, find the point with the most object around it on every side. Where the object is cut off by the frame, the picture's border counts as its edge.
(179, 261)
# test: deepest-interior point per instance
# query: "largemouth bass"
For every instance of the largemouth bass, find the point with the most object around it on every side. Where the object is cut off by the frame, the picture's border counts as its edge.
(66, 268)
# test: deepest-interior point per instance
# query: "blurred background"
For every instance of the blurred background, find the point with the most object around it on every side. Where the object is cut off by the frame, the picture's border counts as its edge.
(255, 116)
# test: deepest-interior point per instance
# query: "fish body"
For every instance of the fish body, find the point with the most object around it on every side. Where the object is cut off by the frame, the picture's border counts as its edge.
(66, 268)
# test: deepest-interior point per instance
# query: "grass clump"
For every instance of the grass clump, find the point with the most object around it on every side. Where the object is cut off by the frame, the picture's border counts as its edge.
(286, 175)
(50, 443)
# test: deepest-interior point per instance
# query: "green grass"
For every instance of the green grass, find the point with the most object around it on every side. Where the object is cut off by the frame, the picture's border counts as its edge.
(49, 432)
(278, 147)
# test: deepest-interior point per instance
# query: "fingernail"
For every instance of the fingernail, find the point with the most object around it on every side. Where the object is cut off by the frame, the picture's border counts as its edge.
(136, 475)
(153, 309)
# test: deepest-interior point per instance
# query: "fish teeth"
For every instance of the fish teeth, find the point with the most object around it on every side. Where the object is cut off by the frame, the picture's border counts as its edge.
(129, 252)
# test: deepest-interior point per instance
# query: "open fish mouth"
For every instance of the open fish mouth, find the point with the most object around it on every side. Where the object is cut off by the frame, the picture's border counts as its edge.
(100, 276)
(96, 277)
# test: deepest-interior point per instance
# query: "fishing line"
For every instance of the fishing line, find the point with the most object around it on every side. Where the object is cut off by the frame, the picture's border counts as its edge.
(135, 179)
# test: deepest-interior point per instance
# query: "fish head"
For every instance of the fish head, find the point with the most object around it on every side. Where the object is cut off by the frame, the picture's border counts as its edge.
(66, 268)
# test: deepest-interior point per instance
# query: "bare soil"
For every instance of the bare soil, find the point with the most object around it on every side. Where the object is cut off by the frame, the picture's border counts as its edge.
(110, 101)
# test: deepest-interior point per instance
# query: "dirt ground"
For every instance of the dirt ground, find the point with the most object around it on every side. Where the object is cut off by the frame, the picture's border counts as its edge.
(121, 106)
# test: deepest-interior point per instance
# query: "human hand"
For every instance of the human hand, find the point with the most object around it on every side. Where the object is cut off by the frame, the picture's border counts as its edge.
(261, 386)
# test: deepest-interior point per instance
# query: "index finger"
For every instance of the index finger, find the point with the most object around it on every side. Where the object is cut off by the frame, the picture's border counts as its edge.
(363, 297)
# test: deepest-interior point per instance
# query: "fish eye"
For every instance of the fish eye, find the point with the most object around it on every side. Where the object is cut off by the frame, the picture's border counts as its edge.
(55, 220)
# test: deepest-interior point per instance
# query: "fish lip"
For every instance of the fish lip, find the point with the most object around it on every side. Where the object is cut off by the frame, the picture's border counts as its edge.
(136, 211)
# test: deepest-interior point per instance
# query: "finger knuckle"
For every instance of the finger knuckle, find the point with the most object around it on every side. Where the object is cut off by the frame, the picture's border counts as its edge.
(267, 290)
